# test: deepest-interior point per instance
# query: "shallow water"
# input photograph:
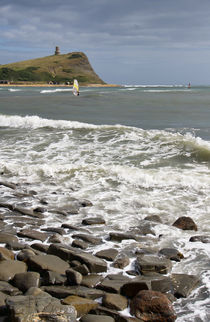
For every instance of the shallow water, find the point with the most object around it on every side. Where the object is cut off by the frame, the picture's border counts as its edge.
(132, 151)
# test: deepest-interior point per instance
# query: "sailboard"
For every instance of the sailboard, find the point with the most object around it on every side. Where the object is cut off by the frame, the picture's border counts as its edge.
(76, 88)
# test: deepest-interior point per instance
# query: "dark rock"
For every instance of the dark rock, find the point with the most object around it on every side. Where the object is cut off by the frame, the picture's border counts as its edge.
(41, 247)
(185, 223)
(66, 211)
(121, 261)
(39, 308)
(73, 277)
(132, 287)
(88, 238)
(98, 318)
(8, 269)
(202, 239)
(64, 291)
(82, 269)
(7, 238)
(82, 305)
(9, 289)
(29, 212)
(154, 218)
(171, 253)
(153, 264)
(144, 228)
(108, 254)
(6, 254)
(15, 245)
(162, 284)
(101, 310)
(53, 263)
(115, 301)
(53, 278)
(79, 244)
(152, 306)
(113, 283)
(56, 238)
(23, 281)
(8, 185)
(184, 284)
(91, 280)
(94, 264)
(57, 230)
(85, 203)
(120, 236)
(24, 254)
(32, 234)
(93, 221)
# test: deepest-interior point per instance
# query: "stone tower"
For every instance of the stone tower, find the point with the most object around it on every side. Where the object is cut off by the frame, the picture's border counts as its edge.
(57, 50)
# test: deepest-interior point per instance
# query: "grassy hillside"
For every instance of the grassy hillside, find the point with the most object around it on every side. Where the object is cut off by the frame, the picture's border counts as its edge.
(56, 68)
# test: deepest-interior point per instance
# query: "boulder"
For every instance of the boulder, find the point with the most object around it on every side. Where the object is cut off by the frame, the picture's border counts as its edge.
(108, 254)
(121, 261)
(203, 239)
(7, 238)
(151, 263)
(88, 238)
(61, 292)
(132, 287)
(113, 283)
(41, 247)
(154, 218)
(53, 278)
(9, 289)
(79, 244)
(172, 254)
(6, 254)
(184, 284)
(24, 254)
(82, 305)
(73, 277)
(38, 263)
(82, 269)
(152, 306)
(8, 269)
(91, 280)
(39, 308)
(98, 318)
(23, 281)
(185, 223)
(115, 301)
(120, 236)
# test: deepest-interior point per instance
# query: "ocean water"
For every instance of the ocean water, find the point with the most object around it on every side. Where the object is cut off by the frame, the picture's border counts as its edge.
(133, 151)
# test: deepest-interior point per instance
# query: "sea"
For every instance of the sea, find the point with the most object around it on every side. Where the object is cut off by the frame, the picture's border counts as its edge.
(132, 150)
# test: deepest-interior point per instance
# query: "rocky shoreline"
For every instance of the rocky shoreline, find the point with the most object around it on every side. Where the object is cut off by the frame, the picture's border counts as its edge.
(44, 277)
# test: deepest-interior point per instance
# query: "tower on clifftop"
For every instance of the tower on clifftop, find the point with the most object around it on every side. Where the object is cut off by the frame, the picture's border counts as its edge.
(57, 50)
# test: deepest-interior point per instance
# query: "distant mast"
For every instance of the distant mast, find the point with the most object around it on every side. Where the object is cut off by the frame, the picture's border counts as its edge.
(57, 50)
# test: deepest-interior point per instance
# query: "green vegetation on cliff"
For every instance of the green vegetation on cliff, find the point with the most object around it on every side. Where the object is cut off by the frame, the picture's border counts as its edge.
(56, 69)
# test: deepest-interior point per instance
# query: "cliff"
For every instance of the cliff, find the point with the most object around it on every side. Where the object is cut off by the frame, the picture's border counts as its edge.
(55, 69)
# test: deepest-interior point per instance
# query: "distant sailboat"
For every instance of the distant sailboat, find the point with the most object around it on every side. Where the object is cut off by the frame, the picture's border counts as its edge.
(189, 85)
(76, 88)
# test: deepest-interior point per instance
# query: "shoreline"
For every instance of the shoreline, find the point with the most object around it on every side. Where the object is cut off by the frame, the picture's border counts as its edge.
(58, 85)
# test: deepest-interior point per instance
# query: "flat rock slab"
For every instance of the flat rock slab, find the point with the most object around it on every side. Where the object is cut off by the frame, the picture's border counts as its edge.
(108, 254)
(8, 269)
(53, 263)
(113, 284)
(93, 221)
(23, 281)
(203, 239)
(115, 301)
(88, 238)
(39, 308)
(98, 318)
(61, 292)
(82, 305)
(8, 289)
(7, 238)
(184, 284)
(32, 234)
(91, 280)
(153, 264)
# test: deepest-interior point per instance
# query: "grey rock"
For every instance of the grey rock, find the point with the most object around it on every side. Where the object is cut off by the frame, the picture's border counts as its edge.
(154, 218)
(9, 289)
(82, 269)
(184, 284)
(32, 234)
(23, 281)
(41, 247)
(121, 261)
(53, 263)
(88, 238)
(93, 221)
(80, 244)
(171, 253)
(53, 278)
(120, 236)
(73, 277)
(203, 239)
(8, 269)
(64, 291)
(57, 230)
(115, 301)
(7, 238)
(108, 254)
(113, 283)
(96, 318)
(153, 264)
(91, 280)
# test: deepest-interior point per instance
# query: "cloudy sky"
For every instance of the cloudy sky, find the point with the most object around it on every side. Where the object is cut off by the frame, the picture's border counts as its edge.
(127, 42)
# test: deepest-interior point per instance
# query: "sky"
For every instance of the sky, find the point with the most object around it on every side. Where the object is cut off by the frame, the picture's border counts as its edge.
(126, 42)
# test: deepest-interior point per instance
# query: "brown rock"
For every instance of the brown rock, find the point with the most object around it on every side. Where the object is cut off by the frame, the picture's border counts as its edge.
(23, 281)
(32, 234)
(7, 238)
(6, 254)
(98, 318)
(73, 277)
(108, 254)
(185, 223)
(93, 221)
(82, 305)
(152, 306)
(115, 301)
(121, 261)
(8, 269)
(47, 262)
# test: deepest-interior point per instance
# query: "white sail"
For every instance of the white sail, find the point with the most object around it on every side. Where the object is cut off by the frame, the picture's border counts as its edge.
(76, 88)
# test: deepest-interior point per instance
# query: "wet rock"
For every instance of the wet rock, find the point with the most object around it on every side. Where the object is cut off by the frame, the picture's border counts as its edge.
(93, 221)
(53, 278)
(79, 244)
(120, 236)
(82, 305)
(55, 238)
(41, 247)
(9, 289)
(101, 310)
(23, 281)
(121, 261)
(88, 238)
(115, 301)
(8, 185)
(32, 234)
(64, 291)
(24, 254)
(8, 269)
(85, 203)
(94, 264)
(108, 254)
(91, 280)
(132, 287)
(15, 245)
(98, 318)
(154, 218)
(171, 253)
(149, 263)
(39, 308)
(162, 284)
(82, 269)
(38, 263)
(185, 223)
(144, 228)
(73, 277)
(202, 239)
(7, 238)
(113, 283)
(66, 211)
(6, 254)
(3, 298)
(29, 212)
(57, 230)
(152, 306)
(184, 284)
